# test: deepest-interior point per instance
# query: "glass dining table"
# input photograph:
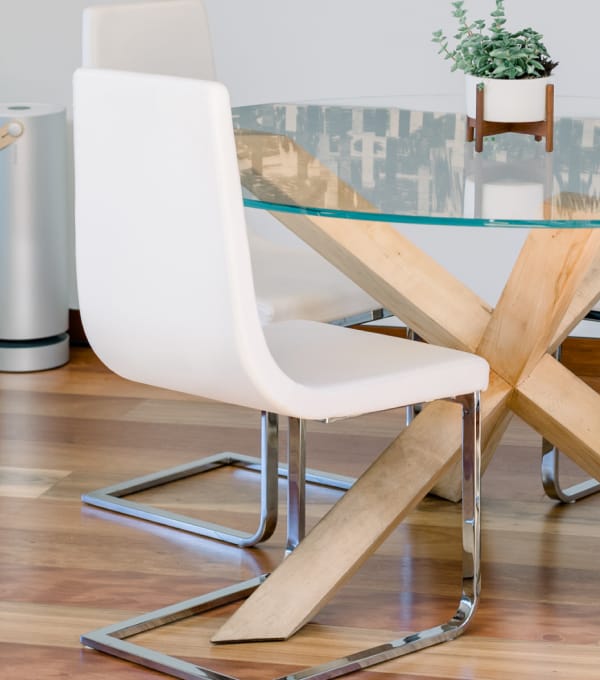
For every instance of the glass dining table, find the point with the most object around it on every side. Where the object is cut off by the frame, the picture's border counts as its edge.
(345, 177)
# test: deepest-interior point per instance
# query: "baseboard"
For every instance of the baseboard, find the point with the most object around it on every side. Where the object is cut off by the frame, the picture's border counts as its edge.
(76, 332)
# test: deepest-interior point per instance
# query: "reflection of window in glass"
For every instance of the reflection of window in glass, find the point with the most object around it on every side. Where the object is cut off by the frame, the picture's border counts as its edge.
(338, 120)
(446, 184)
(404, 123)
(357, 146)
(377, 121)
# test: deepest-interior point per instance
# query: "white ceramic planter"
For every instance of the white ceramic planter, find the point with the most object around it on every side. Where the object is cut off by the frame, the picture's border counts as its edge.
(508, 101)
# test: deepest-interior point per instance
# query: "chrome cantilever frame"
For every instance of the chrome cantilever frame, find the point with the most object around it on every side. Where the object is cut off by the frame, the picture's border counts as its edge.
(113, 639)
(551, 459)
(471, 578)
(113, 497)
(551, 478)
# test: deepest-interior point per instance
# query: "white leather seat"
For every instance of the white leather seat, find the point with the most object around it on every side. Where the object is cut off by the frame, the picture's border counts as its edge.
(167, 299)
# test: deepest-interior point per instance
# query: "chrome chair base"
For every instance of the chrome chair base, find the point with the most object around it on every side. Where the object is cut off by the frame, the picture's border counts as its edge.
(551, 478)
(551, 456)
(113, 639)
(112, 497)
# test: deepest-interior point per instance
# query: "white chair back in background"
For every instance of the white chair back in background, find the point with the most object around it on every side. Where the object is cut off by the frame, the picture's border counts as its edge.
(172, 37)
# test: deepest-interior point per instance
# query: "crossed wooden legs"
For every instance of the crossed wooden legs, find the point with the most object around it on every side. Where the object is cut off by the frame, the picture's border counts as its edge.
(555, 280)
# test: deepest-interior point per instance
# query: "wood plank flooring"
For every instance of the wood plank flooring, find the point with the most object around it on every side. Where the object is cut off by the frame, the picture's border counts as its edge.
(66, 568)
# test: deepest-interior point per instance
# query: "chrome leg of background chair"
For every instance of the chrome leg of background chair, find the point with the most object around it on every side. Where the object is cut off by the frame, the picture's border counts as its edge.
(471, 578)
(550, 464)
(112, 497)
(296, 501)
(551, 478)
(365, 317)
(113, 639)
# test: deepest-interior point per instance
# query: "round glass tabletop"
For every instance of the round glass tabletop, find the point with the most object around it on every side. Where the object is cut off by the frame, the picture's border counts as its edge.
(406, 159)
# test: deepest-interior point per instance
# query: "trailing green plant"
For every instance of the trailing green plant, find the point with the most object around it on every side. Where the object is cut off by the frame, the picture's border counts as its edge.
(494, 52)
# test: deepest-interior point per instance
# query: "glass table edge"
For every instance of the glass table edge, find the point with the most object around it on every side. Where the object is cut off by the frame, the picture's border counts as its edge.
(427, 220)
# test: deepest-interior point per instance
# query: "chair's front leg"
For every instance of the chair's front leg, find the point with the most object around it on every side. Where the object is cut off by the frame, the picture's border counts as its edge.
(471, 576)
(296, 495)
(471, 507)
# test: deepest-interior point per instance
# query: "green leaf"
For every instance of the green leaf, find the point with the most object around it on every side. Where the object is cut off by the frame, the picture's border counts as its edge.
(493, 52)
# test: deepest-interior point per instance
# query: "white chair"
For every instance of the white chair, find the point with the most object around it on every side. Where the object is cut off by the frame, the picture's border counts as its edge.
(167, 299)
(172, 37)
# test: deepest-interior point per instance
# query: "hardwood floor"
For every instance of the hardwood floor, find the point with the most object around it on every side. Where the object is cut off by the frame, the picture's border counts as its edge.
(66, 569)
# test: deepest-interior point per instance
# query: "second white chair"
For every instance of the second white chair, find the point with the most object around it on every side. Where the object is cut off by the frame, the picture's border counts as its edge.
(292, 281)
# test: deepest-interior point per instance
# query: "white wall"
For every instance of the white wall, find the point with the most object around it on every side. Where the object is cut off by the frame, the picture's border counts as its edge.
(279, 49)
(268, 50)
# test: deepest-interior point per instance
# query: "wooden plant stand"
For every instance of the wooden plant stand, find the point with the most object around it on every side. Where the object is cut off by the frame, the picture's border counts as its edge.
(478, 127)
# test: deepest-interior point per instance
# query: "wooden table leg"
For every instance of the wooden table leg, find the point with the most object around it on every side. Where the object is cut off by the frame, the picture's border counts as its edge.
(544, 281)
(563, 409)
(558, 263)
(554, 278)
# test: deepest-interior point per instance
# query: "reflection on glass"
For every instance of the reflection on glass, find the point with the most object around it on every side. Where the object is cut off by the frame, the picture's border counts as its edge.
(398, 164)
(515, 189)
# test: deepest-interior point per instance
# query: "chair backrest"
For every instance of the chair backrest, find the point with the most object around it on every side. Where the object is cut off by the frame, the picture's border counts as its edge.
(169, 37)
(163, 266)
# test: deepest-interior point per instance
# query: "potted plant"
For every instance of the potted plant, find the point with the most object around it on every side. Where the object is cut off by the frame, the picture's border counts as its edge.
(512, 68)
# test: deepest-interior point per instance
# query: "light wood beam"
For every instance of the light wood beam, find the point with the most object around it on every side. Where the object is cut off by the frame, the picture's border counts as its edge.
(562, 408)
(550, 268)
